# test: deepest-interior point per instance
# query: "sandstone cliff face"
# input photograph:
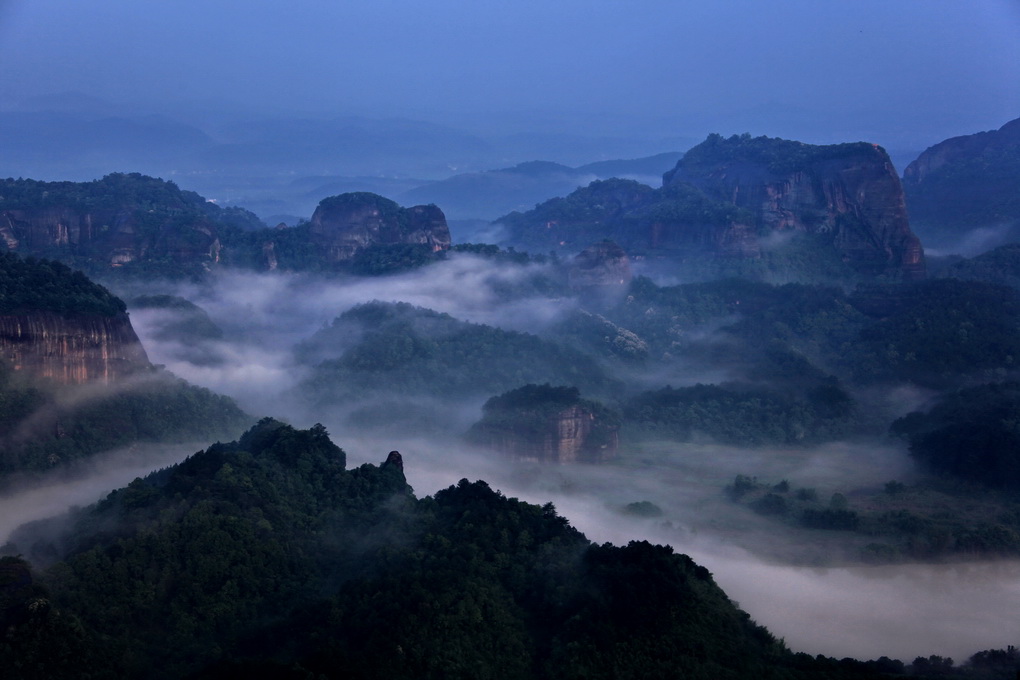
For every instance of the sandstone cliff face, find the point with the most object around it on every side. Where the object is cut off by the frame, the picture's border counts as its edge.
(72, 349)
(347, 224)
(849, 192)
(114, 221)
(111, 236)
(572, 435)
(601, 265)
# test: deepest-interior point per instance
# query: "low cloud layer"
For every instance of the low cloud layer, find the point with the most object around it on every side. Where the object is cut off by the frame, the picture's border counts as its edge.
(900, 611)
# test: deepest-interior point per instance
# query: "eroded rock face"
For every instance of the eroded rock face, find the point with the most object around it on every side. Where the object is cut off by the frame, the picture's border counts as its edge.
(394, 460)
(848, 191)
(567, 438)
(788, 204)
(347, 224)
(961, 149)
(599, 266)
(117, 220)
(72, 349)
(962, 192)
(571, 434)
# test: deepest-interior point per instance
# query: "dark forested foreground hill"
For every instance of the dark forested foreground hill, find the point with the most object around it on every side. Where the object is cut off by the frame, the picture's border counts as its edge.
(266, 557)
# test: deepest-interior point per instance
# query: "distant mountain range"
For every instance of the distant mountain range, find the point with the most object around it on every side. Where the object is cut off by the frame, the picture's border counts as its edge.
(268, 164)
(493, 193)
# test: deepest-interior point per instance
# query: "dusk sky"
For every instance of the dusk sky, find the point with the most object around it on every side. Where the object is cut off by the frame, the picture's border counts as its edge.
(906, 72)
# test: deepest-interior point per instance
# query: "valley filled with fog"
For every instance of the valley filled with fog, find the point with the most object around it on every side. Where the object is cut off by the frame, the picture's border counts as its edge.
(738, 280)
(796, 582)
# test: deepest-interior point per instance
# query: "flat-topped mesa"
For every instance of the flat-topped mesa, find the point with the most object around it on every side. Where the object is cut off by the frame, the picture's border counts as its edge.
(56, 324)
(602, 265)
(346, 224)
(848, 191)
(541, 423)
(114, 221)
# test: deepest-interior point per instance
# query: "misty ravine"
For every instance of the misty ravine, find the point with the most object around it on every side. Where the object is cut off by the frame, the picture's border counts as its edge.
(900, 611)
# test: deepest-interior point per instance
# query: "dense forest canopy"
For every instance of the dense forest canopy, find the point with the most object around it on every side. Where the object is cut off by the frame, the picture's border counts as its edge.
(779, 156)
(267, 552)
(32, 285)
(267, 555)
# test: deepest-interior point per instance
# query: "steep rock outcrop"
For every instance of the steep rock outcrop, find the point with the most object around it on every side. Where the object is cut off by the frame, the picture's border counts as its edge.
(56, 323)
(540, 423)
(72, 349)
(963, 194)
(958, 149)
(114, 221)
(847, 192)
(743, 205)
(567, 438)
(601, 265)
(346, 224)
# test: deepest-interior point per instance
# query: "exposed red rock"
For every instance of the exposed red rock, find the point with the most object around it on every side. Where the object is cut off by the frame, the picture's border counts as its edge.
(848, 191)
(72, 349)
(346, 224)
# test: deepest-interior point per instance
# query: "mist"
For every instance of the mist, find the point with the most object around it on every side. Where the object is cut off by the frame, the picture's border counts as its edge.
(264, 317)
(265, 107)
(54, 493)
(806, 588)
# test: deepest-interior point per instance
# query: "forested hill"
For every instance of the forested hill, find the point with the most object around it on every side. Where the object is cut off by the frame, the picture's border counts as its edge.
(31, 285)
(266, 557)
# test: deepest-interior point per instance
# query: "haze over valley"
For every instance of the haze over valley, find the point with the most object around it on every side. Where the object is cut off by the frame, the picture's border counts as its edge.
(693, 333)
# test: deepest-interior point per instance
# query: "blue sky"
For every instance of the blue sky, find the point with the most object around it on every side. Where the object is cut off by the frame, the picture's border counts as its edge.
(896, 71)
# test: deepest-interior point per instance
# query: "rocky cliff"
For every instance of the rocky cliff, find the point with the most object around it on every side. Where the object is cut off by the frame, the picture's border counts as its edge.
(963, 194)
(600, 266)
(728, 202)
(56, 323)
(567, 438)
(72, 349)
(960, 149)
(541, 423)
(115, 221)
(347, 224)
(849, 193)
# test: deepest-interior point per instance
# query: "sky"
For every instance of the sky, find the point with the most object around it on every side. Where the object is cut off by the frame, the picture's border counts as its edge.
(907, 73)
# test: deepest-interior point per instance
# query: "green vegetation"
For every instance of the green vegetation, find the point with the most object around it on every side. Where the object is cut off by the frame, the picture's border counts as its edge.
(43, 426)
(936, 332)
(745, 416)
(163, 231)
(779, 156)
(267, 556)
(409, 350)
(972, 434)
(939, 333)
(576, 220)
(933, 520)
(32, 285)
(292, 248)
(379, 259)
(387, 209)
(113, 192)
(977, 185)
(1000, 266)
(528, 415)
(190, 322)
